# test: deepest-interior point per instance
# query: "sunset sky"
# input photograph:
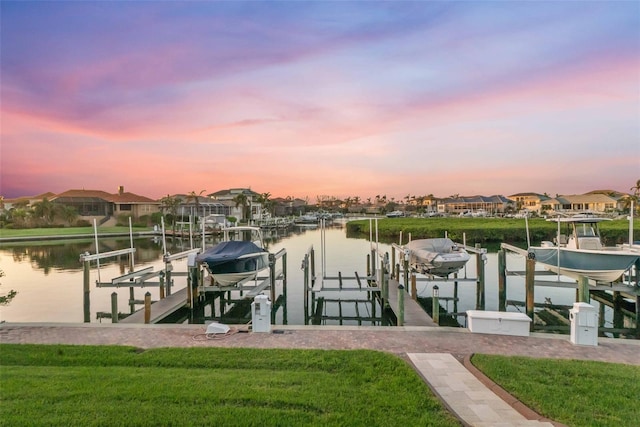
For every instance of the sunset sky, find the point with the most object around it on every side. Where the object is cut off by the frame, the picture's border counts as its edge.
(311, 99)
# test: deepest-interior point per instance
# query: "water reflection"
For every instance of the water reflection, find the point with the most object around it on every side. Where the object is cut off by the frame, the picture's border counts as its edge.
(48, 278)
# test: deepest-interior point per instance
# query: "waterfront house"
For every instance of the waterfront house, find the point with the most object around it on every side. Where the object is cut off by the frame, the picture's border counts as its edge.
(491, 205)
(249, 209)
(102, 205)
(595, 202)
(532, 202)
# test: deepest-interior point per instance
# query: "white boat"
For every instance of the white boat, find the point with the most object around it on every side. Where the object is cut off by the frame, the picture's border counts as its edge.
(395, 214)
(578, 251)
(439, 257)
(239, 256)
(310, 219)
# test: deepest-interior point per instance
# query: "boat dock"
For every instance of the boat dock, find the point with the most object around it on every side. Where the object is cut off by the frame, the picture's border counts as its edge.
(413, 313)
(160, 310)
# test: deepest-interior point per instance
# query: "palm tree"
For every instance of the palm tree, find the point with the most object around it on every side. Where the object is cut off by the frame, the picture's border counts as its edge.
(68, 213)
(263, 199)
(44, 210)
(171, 204)
(635, 197)
(196, 200)
(242, 200)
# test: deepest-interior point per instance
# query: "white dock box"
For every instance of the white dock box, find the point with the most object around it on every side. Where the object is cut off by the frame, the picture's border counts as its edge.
(261, 314)
(584, 324)
(498, 322)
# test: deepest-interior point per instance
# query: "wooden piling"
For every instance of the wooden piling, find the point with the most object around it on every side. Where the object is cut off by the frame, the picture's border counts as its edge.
(480, 283)
(86, 294)
(147, 308)
(393, 263)
(161, 279)
(168, 276)
(114, 307)
(435, 305)
(455, 292)
(529, 289)
(414, 291)
(583, 290)
(400, 305)
(284, 288)
(272, 282)
(406, 269)
(305, 267)
(502, 280)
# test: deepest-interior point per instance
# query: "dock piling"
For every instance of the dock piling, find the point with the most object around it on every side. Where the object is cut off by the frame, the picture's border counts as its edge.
(147, 308)
(114, 307)
(400, 305)
(502, 280)
(529, 288)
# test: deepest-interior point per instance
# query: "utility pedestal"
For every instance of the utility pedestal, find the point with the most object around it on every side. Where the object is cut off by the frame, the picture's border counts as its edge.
(584, 324)
(261, 314)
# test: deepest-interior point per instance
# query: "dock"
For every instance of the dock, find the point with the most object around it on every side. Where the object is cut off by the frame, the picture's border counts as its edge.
(414, 314)
(160, 309)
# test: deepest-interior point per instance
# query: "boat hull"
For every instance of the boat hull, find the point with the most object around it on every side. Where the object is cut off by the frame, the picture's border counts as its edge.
(599, 265)
(231, 262)
(438, 257)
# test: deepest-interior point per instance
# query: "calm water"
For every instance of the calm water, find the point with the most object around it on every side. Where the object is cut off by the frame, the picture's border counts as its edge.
(49, 277)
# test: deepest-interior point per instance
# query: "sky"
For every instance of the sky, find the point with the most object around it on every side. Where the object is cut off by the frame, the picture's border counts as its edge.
(319, 98)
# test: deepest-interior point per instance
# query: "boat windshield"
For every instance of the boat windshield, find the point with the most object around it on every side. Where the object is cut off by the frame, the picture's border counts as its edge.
(585, 229)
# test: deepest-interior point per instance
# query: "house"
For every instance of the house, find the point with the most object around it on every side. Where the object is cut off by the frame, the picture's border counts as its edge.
(201, 206)
(100, 204)
(532, 202)
(491, 205)
(592, 202)
(8, 204)
(245, 202)
(289, 206)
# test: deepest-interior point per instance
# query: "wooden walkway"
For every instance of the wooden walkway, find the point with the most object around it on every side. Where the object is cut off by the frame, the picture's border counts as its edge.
(414, 314)
(160, 309)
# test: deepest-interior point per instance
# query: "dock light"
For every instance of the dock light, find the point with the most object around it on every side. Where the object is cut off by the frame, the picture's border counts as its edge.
(435, 305)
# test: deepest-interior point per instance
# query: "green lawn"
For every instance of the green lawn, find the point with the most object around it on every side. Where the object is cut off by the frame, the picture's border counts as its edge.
(100, 385)
(575, 393)
(65, 231)
(107, 385)
(481, 230)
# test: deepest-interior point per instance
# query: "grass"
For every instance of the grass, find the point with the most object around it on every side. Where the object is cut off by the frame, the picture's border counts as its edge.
(481, 230)
(109, 385)
(66, 231)
(575, 393)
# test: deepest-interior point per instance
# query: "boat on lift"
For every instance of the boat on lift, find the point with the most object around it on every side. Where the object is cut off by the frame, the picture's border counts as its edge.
(578, 251)
(240, 255)
(439, 256)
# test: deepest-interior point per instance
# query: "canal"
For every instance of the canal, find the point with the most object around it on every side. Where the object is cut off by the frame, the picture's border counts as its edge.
(48, 276)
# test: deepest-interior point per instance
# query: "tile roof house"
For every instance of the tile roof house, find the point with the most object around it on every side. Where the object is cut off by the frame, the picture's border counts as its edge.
(488, 204)
(98, 203)
(532, 202)
(592, 202)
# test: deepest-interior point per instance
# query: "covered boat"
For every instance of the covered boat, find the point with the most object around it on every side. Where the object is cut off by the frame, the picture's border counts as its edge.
(440, 256)
(578, 251)
(231, 260)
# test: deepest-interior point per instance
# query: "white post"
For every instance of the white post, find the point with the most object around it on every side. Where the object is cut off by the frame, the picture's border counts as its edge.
(95, 233)
(133, 261)
(631, 224)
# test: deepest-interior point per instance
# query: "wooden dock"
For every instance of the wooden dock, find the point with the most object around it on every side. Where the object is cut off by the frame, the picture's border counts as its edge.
(414, 314)
(160, 309)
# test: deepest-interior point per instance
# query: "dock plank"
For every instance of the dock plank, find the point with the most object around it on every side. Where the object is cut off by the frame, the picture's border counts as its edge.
(414, 314)
(160, 309)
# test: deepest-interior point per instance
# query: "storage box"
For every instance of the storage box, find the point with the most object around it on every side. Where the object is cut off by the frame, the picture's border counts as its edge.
(498, 322)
